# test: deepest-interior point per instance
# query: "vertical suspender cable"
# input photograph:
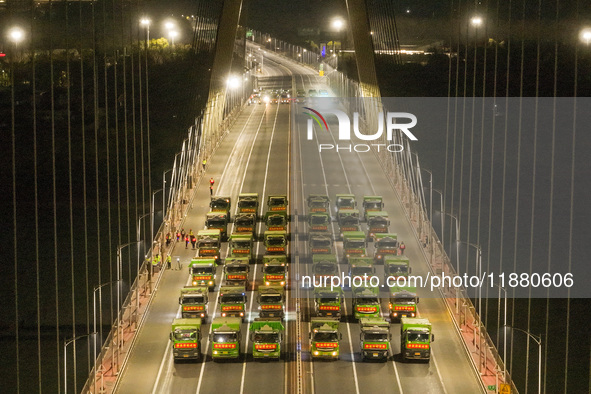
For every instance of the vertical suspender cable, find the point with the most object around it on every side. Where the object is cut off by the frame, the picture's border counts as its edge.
(451, 14)
(115, 52)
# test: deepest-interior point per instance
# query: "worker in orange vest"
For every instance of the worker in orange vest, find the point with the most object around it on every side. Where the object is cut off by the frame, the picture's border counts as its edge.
(211, 182)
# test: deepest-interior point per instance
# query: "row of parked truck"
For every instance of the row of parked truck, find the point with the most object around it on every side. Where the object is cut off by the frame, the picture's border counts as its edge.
(266, 331)
(375, 336)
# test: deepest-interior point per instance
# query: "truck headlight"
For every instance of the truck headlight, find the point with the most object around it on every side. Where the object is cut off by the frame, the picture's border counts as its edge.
(395, 314)
(210, 282)
(412, 314)
(316, 352)
(223, 314)
(267, 283)
(241, 314)
(215, 352)
(282, 283)
(194, 283)
(334, 353)
(203, 315)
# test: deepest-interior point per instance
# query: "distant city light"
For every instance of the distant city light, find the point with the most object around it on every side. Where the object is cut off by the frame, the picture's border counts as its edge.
(145, 22)
(169, 25)
(233, 82)
(338, 24)
(476, 21)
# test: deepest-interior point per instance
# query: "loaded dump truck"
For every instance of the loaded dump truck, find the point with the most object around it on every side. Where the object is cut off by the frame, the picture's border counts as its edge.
(266, 335)
(245, 223)
(371, 204)
(415, 339)
(236, 271)
(354, 244)
(221, 204)
(324, 266)
(348, 220)
(345, 201)
(185, 336)
(360, 266)
(271, 300)
(318, 203)
(319, 244)
(232, 300)
(248, 203)
(403, 302)
(375, 338)
(366, 302)
(208, 244)
(275, 242)
(274, 270)
(241, 245)
(318, 222)
(225, 338)
(386, 244)
(324, 337)
(377, 223)
(276, 221)
(218, 220)
(276, 204)
(193, 301)
(202, 271)
(328, 302)
(395, 266)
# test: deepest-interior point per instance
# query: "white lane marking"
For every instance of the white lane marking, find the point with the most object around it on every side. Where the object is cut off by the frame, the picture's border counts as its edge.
(437, 369)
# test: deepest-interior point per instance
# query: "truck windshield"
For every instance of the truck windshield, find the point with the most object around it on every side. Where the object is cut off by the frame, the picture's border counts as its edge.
(232, 299)
(274, 269)
(368, 301)
(198, 269)
(266, 337)
(328, 298)
(396, 270)
(270, 298)
(324, 268)
(387, 244)
(185, 335)
(317, 204)
(215, 223)
(208, 242)
(361, 270)
(318, 219)
(276, 220)
(404, 300)
(320, 243)
(220, 204)
(247, 204)
(355, 244)
(373, 205)
(375, 337)
(224, 337)
(378, 221)
(417, 337)
(345, 202)
(244, 221)
(349, 219)
(277, 201)
(236, 269)
(194, 299)
(275, 241)
(325, 336)
(241, 244)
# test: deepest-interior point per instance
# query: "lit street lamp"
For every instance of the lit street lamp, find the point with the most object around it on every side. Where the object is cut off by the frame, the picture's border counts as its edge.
(172, 34)
(146, 23)
(538, 340)
(585, 36)
(476, 21)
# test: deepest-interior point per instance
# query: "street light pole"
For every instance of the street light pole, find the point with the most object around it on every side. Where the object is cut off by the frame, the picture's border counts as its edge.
(504, 332)
(66, 343)
(537, 339)
(99, 288)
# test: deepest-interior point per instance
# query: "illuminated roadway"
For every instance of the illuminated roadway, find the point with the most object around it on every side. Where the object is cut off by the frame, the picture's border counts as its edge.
(254, 158)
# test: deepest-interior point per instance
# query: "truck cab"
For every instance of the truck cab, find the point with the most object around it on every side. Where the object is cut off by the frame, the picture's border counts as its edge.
(236, 271)
(403, 302)
(348, 220)
(274, 270)
(375, 338)
(318, 222)
(266, 335)
(225, 337)
(276, 221)
(319, 244)
(318, 203)
(245, 223)
(208, 244)
(221, 204)
(232, 300)
(218, 220)
(386, 244)
(395, 266)
(324, 337)
(248, 203)
(371, 204)
(323, 267)
(366, 302)
(241, 245)
(415, 339)
(328, 302)
(185, 337)
(202, 271)
(377, 223)
(271, 300)
(276, 204)
(193, 301)
(275, 242)
(345, 201)
(354, 244)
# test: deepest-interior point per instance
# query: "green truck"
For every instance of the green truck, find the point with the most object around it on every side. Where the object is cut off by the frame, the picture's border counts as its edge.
(348, 220)
(366, 302)
(323, 267)
(324, 337)
(345, 201)
(319, 222)
(232, 300)
(361, 266)
(225, 337)
(377, 223)
(266, 335)
(354, 244)
(185, 336)
(241, 245)
(275, 242)
(245, 223)
(277, 205)
(386, 244)
(221, 204)
(248, 203)
(274, 270)
(319, 244)
(415, 339)
(375, 338)
(236, 271)
(218, 220)
(271, 300)
(328, 302)
(403, 302)
(372, 203)
(202, 271)
(318, 203)
(193, 301)
(208, 244)
(276, 222)
(395, 266)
